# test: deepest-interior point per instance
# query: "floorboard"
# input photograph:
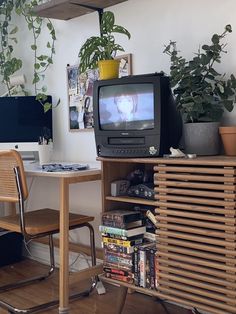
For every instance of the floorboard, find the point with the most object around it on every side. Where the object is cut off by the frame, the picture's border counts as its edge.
(136, 303)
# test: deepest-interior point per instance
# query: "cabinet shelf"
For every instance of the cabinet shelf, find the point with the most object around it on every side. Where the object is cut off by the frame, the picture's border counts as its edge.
(130, 286)
(69, 9)
(195, 228)
(127, 199)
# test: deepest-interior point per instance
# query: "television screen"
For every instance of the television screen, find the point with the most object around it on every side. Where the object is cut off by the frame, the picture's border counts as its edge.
(126, 107)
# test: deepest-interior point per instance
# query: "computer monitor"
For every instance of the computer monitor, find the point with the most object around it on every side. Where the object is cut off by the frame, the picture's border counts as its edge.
(22, 122)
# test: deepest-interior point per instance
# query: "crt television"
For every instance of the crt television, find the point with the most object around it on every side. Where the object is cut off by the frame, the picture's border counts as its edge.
(135, 116)
(22, 122)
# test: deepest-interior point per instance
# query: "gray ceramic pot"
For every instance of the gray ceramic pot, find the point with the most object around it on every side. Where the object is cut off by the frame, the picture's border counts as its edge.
(202, 138)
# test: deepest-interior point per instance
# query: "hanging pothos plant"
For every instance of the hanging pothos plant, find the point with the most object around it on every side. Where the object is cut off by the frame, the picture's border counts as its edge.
(9, 64)
(41, 61)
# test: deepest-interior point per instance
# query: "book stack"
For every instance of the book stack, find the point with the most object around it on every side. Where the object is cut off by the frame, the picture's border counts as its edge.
(121, 230)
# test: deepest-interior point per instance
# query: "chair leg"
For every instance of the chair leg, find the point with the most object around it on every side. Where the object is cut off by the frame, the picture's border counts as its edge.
(37, 308)
(93, 258)
(23, 282)
(52, 256)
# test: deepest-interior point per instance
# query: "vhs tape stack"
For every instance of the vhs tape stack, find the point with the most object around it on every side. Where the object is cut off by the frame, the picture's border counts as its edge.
(127, 256)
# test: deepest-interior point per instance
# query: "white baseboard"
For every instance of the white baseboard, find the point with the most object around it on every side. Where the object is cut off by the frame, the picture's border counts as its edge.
(40, 252)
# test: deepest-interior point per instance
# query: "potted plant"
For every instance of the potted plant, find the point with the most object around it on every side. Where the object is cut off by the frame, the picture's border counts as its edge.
(99, 51)
(202, 94)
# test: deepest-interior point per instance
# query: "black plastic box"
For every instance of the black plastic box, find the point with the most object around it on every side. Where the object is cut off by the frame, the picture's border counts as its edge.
(10, 248)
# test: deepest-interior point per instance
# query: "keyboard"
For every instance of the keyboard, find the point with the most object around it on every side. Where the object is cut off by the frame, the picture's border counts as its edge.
(60, 167)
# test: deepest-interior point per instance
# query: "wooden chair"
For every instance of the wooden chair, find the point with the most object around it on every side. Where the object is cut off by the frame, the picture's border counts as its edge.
(33, 224)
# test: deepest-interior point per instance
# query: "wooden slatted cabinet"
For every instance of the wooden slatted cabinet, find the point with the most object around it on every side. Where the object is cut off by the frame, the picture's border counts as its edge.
(195, 211)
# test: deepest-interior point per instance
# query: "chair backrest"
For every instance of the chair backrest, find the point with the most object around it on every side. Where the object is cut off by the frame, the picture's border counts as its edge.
(9, 160)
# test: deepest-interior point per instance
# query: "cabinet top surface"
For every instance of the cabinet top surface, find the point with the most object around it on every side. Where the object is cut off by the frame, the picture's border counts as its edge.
(206, 160)
(68, 9)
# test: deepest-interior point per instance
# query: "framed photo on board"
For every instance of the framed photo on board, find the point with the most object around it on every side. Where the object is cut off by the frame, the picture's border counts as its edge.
(125, 64)
(80, 92)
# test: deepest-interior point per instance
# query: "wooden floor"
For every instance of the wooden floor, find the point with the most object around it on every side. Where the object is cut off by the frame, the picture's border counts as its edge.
(136, 303)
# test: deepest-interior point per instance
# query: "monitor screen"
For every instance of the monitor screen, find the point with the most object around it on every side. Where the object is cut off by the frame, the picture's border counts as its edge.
(126, 107)
(22, 120)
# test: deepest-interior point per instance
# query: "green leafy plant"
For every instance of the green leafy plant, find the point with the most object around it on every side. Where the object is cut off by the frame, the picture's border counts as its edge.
(102, 47)
(41, 61)
(201, 92)
(8, 63)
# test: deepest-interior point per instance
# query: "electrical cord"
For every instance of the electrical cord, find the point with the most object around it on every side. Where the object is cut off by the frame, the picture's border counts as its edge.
(26, 245)
(83, 255)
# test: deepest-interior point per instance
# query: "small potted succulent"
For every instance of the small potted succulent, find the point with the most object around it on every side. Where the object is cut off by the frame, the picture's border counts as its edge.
(202, 94)
(100, 50)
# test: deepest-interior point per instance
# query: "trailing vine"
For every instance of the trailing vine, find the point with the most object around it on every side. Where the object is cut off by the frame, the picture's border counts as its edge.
(8, 63)
(41, 61)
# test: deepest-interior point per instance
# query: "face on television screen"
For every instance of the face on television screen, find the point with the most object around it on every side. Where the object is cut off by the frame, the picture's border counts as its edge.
(126, 107)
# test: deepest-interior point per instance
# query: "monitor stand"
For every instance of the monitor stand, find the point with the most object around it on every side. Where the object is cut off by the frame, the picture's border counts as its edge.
(31, 156)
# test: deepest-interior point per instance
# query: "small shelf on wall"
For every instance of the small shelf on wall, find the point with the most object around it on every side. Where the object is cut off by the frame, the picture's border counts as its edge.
(69, 9)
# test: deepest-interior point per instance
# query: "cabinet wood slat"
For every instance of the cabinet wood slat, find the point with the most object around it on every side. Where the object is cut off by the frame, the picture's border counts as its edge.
(190, 177)
(202, 277)
(176, 290)
(195, 185)
(199, 193)
(195, 200)
(196, 208)
(201, 231)
(198, 261)
(204, 170)
(196, 253)
(192, 222)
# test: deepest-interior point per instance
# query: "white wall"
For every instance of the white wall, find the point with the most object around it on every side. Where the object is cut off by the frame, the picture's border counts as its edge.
(152, 24)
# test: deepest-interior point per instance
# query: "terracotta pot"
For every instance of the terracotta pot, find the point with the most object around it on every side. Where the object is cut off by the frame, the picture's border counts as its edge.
(228, 136)
(108, 69)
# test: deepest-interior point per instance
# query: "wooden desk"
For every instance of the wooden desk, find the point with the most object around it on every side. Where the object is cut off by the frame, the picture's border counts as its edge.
(65, 178)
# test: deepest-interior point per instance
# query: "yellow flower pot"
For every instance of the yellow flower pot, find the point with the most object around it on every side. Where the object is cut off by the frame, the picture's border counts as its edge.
(108, 69)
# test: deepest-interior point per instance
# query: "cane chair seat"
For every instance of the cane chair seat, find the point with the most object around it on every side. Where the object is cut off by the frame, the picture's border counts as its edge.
(40, 221)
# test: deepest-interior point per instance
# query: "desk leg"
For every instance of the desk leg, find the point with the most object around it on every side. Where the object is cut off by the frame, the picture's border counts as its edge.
(64, 248)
